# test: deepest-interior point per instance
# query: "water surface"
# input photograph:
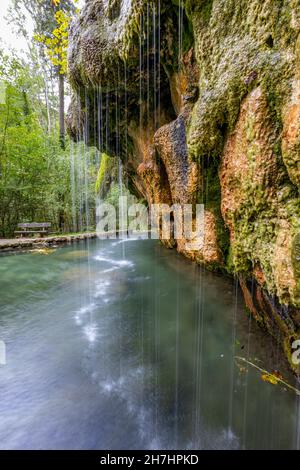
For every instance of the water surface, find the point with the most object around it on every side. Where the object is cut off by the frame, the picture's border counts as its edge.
(127, 345)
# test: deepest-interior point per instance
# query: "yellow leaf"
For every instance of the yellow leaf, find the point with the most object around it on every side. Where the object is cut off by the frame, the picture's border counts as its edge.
(272, 379)
(44, 251)
(56, 33)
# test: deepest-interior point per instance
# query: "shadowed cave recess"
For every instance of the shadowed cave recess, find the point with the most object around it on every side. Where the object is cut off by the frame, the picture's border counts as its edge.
(200, 100)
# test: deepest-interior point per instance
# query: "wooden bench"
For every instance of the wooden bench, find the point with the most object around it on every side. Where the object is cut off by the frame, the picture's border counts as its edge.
(31, 228)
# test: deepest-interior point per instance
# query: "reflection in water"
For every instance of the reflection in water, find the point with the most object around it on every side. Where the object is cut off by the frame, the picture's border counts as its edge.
(128, 345)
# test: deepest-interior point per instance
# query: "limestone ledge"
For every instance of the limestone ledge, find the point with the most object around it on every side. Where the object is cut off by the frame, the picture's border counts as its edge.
(19, 244)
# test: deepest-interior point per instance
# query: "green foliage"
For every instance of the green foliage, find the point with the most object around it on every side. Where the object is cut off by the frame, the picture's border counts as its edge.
(84, 168)
(116, 191)
(106, 172)
(29, 165)
(35, 177)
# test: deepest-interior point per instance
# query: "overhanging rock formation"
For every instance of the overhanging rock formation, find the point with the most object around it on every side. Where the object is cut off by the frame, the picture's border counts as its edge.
(201, 101)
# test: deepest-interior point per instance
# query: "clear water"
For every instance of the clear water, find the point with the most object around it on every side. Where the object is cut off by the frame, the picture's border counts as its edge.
(125, 345)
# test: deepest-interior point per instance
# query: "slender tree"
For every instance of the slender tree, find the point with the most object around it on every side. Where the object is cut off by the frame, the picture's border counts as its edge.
(56, 46)
(51, 23)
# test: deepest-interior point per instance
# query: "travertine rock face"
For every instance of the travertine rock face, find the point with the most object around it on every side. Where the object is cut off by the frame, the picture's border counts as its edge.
(202, 104)
(291, 134)
(170, 143)
(253, 180)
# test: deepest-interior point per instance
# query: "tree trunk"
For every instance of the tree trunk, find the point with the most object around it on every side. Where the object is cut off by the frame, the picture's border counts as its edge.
(61, 89)
(47, 102)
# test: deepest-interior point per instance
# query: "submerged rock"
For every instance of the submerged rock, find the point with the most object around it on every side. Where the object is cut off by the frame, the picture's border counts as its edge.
(202, 104)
